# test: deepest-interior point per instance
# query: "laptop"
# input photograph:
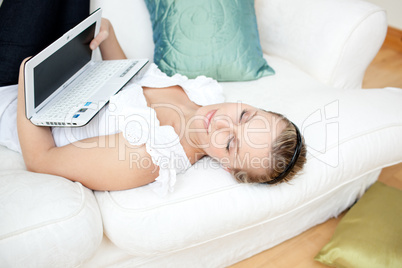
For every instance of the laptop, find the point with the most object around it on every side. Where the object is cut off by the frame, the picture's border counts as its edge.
(65, 86)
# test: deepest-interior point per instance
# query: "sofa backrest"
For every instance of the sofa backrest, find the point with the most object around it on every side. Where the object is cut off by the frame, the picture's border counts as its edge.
(334, 41)
(132, 25)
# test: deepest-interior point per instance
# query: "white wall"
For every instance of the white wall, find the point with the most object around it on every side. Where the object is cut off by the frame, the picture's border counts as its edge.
(394, 11)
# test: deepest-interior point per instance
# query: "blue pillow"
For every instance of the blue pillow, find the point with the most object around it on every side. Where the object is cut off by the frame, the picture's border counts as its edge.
(215, 38)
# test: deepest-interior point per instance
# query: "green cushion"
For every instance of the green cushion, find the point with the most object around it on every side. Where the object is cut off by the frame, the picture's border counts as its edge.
(216, 38)
(370, 234)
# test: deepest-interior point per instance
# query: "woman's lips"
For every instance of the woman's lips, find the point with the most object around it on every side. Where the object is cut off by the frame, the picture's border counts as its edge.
(207, 119)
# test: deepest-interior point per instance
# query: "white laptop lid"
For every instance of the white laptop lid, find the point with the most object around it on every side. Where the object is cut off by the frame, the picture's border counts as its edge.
(54, 67)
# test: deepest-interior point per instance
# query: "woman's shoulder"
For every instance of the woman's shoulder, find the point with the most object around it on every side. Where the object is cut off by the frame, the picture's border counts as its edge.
(201, 90)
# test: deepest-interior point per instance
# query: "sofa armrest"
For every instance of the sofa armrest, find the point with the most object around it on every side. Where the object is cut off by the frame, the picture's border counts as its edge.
(332, 40)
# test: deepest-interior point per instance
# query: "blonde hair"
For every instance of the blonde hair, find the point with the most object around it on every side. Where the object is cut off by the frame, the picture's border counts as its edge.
(282, 151)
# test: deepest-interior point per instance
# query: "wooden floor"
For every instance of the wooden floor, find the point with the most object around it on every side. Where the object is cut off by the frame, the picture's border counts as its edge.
(384, 71)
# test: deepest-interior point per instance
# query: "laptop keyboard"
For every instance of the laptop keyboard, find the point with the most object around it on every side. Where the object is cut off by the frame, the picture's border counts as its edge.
(78, 94)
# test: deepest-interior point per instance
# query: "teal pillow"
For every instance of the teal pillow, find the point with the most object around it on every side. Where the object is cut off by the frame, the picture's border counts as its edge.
(215, 38)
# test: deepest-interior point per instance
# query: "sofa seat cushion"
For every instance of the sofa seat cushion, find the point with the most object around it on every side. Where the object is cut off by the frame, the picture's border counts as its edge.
(349, 134)
(46, 221)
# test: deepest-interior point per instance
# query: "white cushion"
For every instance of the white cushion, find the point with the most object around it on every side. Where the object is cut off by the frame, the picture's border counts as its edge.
(46, 221)
(11, 160)
(349, 133)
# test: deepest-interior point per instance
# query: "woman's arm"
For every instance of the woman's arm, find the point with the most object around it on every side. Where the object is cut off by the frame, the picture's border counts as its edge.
(109, 163)
(99, 163)
(33, 139)
(107, 42)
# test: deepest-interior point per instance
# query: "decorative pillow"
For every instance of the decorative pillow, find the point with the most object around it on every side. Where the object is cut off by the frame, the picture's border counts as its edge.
(370, 234)
(216, 38)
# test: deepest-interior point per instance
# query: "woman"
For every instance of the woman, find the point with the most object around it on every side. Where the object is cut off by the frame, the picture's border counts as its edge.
(154, 129)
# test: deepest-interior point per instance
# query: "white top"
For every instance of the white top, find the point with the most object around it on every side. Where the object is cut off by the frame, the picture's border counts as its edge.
(127, 112)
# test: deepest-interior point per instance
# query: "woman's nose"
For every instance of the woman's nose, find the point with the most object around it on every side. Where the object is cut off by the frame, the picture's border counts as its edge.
(226, 124)
(223, 122)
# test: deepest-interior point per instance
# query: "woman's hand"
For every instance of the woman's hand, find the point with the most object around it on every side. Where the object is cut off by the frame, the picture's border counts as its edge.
(102, 35)
(107, 42)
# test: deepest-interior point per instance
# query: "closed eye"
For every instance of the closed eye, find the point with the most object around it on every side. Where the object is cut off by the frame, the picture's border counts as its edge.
(228, 145)
(231, 139)
(242, 114)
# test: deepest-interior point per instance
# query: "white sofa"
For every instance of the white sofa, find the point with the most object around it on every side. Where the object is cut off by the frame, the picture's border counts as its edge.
(319, 50)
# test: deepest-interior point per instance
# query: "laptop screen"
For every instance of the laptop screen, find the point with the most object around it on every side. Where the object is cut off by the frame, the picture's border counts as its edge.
(54, 71)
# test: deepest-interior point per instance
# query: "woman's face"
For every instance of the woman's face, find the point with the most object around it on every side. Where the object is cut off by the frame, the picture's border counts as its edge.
(236, 134)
